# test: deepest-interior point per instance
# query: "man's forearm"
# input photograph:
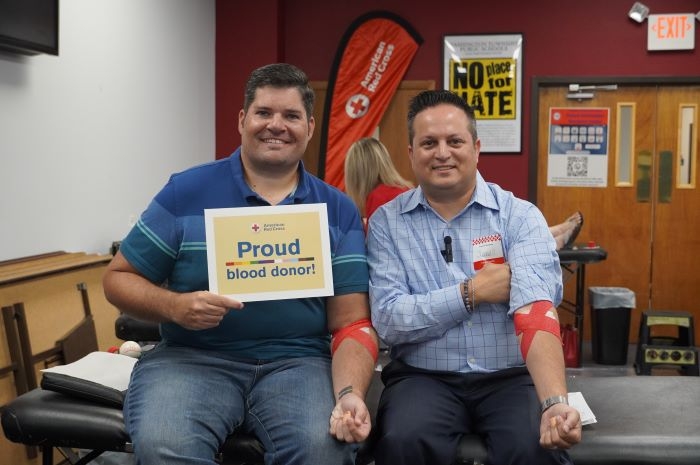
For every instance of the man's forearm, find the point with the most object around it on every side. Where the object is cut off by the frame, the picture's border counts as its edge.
(353, 365)
(545, 362)
(135, 295)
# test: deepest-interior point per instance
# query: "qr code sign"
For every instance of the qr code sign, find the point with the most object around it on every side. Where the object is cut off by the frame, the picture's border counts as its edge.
(577, 167)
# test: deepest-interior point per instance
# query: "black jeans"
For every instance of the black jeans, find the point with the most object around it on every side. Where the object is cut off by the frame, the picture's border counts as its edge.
(423, 414)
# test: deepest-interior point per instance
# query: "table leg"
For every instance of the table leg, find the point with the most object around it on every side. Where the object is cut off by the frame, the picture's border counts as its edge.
(580, 289)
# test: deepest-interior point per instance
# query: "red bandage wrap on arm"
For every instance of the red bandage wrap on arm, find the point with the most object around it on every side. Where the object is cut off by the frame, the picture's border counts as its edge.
(528, 324)
(361, 331)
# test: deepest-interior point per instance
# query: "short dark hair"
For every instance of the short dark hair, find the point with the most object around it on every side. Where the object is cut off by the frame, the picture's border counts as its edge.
(432, 98)
(282, 76)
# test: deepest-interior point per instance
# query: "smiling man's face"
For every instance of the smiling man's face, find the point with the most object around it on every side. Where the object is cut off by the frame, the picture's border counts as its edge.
(275, 129)
(443, 153)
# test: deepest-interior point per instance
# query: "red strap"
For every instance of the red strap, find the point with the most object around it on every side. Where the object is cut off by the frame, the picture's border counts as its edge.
(528, 324)
(357, 332)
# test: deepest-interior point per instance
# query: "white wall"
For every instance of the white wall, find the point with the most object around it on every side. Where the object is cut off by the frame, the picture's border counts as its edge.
(88, 137)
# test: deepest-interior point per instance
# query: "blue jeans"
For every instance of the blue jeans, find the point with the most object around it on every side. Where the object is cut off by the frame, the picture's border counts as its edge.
(183, 403)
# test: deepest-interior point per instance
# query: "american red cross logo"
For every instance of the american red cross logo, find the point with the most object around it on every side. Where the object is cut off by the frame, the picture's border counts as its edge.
(255, 227)
(357, 106)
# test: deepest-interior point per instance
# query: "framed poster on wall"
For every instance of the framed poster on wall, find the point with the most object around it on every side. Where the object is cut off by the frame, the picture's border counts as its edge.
(578, 147)
(486, 71)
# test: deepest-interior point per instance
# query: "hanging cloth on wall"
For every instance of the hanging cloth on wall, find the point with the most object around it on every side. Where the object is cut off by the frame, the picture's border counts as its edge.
(371, 60)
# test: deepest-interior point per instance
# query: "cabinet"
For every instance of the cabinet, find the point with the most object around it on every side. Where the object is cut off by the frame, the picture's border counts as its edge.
(51, 289)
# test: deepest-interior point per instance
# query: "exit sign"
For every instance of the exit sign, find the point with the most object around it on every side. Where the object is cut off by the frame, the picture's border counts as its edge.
(671, 31)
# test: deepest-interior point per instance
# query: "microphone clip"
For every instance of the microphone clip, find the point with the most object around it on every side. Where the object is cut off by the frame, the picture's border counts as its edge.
(447, 253)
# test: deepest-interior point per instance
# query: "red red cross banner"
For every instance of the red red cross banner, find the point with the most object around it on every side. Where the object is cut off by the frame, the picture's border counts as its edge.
(371, 60)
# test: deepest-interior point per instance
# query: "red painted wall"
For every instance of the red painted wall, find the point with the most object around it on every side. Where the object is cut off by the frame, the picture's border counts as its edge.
(562, 38)
(248, 35)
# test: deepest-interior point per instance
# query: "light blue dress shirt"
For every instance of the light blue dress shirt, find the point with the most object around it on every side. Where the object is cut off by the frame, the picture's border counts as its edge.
(417, 306)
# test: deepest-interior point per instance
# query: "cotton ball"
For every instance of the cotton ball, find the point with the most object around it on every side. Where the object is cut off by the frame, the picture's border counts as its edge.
(130, 349)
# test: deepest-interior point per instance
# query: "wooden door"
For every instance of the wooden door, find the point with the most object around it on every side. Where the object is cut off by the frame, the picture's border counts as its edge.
(676, 243)
(393, 129)
(646, 227)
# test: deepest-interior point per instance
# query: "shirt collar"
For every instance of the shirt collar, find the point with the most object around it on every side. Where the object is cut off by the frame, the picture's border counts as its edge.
(482, 195)
(298, 194)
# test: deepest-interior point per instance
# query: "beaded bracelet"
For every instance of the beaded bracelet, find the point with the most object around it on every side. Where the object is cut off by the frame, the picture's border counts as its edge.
(465, 295)
(473, 299)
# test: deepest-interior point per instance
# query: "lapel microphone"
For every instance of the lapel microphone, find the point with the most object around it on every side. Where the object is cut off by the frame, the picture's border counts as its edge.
(447, 253)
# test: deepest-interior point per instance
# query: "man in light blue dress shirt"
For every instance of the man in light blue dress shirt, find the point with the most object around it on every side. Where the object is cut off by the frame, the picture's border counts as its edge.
(464, 284)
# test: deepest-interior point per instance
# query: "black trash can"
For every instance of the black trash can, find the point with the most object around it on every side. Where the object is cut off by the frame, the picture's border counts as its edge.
(610, 323)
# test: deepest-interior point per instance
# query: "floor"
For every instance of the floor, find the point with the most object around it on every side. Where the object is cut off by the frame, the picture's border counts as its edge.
(590, 368)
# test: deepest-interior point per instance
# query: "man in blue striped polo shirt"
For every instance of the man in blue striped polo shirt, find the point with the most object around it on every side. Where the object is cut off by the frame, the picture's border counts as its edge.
(268, 368)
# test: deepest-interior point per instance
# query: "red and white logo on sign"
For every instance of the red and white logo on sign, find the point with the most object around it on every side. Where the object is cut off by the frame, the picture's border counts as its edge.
(357, 106)
(487, 249)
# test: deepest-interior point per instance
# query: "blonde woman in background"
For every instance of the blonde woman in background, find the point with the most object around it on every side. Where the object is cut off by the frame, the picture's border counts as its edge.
(371, 179)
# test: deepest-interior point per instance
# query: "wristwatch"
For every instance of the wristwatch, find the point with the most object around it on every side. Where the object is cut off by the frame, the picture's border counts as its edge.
(549, 401)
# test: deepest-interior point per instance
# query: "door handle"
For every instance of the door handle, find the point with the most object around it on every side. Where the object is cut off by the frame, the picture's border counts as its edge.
(665, 176)
(644, 176)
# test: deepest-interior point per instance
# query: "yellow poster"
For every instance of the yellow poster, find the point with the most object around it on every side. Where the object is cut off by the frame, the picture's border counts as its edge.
(269, 253)
(487, 72)
(487, 85)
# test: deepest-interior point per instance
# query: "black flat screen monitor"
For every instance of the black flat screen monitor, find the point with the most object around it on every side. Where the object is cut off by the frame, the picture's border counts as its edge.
(29, 27)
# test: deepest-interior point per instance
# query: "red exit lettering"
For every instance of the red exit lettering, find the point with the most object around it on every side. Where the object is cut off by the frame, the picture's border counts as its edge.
(671, 27)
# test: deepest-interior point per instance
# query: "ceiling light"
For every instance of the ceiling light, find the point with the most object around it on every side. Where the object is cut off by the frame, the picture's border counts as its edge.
(638, 12)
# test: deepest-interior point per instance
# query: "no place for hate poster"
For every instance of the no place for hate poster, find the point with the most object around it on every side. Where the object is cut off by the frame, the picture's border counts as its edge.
(266, 253)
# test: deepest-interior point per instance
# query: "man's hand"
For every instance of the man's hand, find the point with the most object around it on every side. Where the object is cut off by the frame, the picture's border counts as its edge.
(130, 291)
(350, 420)
(201, 309)
(560, 427)
(492, 283)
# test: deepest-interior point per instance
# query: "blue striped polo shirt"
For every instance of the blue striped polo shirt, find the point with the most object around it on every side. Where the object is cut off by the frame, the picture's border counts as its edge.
(168, 246)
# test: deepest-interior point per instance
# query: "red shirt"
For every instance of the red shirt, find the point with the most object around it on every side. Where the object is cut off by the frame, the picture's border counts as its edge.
(381, 195)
